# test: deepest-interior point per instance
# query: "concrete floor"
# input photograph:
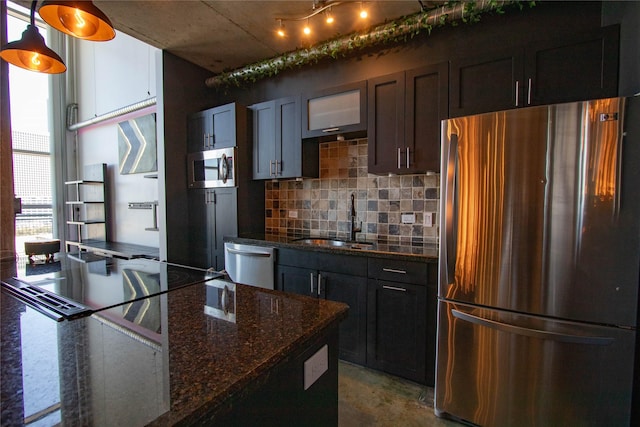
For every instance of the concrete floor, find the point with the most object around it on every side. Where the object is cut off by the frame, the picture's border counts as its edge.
(371, 398)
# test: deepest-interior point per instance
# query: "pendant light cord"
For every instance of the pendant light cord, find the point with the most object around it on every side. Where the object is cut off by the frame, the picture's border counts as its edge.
(33, 12)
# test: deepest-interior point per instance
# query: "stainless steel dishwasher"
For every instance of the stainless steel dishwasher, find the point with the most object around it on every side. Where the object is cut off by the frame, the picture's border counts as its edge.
(250, 265)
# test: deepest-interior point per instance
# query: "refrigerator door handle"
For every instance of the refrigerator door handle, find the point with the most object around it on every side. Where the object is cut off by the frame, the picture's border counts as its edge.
(534, 333)
(450, 209)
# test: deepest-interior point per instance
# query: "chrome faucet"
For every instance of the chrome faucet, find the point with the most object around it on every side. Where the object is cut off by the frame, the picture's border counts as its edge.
(353, 229)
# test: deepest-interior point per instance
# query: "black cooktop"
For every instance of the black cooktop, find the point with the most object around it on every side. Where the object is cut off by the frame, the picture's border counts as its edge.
(75, 287)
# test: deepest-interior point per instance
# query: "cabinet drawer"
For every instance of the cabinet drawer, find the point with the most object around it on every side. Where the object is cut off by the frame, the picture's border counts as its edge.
(398, 271)
(336, 263)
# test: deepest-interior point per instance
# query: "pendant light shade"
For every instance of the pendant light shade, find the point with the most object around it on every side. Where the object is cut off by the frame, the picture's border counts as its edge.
(81, 19)
(31, 53)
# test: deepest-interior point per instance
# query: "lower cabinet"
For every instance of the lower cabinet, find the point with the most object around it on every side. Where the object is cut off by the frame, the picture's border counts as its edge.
(397, 325)
(349, 289)
(391, 324)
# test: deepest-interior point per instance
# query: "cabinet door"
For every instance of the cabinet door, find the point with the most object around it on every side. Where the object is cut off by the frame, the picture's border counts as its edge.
(198, 132)
(264, 139)
(198, 227)
(351, 290)
(340, 110)
(385, 126)
(223, 126)
(288, 142)
(426, 104)
(491, 82)
(581, 68)
(396, 333)
(225, 223)
(296, 280)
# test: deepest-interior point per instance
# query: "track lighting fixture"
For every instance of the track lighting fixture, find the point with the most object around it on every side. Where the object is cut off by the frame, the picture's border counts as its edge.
(281, 32)
(80, 19)
(317, 7)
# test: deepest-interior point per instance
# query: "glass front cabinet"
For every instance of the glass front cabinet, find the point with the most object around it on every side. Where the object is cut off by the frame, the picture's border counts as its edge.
(336, 111)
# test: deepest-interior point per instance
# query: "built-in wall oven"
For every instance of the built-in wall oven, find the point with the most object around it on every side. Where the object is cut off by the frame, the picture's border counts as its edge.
(212, 168)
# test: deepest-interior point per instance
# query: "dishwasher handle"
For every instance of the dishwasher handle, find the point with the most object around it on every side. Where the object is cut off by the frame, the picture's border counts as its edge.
(249, 253)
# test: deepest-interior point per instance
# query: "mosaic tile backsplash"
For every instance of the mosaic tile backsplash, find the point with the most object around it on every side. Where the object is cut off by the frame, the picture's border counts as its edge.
(321, 207)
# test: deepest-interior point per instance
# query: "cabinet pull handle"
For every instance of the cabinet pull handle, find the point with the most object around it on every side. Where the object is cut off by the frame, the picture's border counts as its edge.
(319, 284)
(330, 129)
(529, 92)
(408, 157)
(517, 92)
(394, 288)
(270, 167)
(393, 270)
(204, 139)
(399, 155)
(311, 282)
(278, 167)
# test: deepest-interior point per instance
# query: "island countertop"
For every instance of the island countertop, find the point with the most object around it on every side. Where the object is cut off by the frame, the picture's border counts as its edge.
(169, 359)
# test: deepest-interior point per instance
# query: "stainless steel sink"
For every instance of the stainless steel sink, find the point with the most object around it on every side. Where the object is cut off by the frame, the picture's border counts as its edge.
(324, 241)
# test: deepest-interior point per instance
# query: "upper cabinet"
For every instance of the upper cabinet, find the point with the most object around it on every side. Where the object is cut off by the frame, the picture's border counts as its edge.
(572, 69)
(405, 110)
(278, 151)
(335, 111)
(212, 129)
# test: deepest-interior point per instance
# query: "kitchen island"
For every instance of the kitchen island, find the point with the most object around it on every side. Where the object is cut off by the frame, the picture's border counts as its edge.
(213, 353)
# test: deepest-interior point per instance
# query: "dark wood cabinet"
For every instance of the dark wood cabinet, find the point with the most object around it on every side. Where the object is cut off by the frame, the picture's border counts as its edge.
(351, 290)
(212, 215)
(401, 319)
(391, 324)
(211, 129)
(278, 151)
(319, 281)
(405, 110)
(396, 335)
(335, 111)
(572, 69)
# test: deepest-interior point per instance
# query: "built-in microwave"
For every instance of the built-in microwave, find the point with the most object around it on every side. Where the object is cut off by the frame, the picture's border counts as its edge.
(212, 168)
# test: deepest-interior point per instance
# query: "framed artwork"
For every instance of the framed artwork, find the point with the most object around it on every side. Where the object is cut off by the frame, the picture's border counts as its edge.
(137, 145)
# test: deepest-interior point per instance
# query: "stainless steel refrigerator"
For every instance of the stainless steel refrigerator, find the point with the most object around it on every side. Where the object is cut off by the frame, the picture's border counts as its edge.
(539, 265)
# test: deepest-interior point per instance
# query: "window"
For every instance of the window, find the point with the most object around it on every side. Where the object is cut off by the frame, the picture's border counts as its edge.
(29, 101)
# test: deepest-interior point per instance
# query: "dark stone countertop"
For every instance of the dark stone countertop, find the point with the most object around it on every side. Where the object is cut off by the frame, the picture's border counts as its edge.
(381, 249)
(163, 360)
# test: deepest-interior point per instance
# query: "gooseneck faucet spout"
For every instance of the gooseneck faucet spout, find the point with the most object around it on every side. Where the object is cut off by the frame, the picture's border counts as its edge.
(353, 229)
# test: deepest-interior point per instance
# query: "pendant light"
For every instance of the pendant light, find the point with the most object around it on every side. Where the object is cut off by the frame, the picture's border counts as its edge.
(31, 52)
(81, 19)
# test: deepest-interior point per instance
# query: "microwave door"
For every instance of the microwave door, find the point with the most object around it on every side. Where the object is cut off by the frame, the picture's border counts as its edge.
(210, 169)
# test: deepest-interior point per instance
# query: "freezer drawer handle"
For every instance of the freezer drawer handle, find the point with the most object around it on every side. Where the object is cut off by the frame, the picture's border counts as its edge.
(245, 253)
(505, 327)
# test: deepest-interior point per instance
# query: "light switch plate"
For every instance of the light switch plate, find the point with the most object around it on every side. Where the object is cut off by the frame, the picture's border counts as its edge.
(315, 366)
(409, 218)
(293, 214)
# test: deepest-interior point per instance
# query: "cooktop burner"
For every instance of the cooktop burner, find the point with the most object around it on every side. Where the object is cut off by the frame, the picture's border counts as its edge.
(84, 286)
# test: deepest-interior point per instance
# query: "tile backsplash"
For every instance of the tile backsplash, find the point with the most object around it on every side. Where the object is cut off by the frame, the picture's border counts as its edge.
(320, 207)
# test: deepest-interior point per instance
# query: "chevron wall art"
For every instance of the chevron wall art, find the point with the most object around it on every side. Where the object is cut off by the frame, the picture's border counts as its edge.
(137, 145)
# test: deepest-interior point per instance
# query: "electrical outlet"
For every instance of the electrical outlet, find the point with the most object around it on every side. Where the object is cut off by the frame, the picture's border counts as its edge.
(315, 366)
(428, 219)
(293, 214)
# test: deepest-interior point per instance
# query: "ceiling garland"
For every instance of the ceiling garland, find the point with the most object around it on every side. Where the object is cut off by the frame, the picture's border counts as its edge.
(400, 30)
